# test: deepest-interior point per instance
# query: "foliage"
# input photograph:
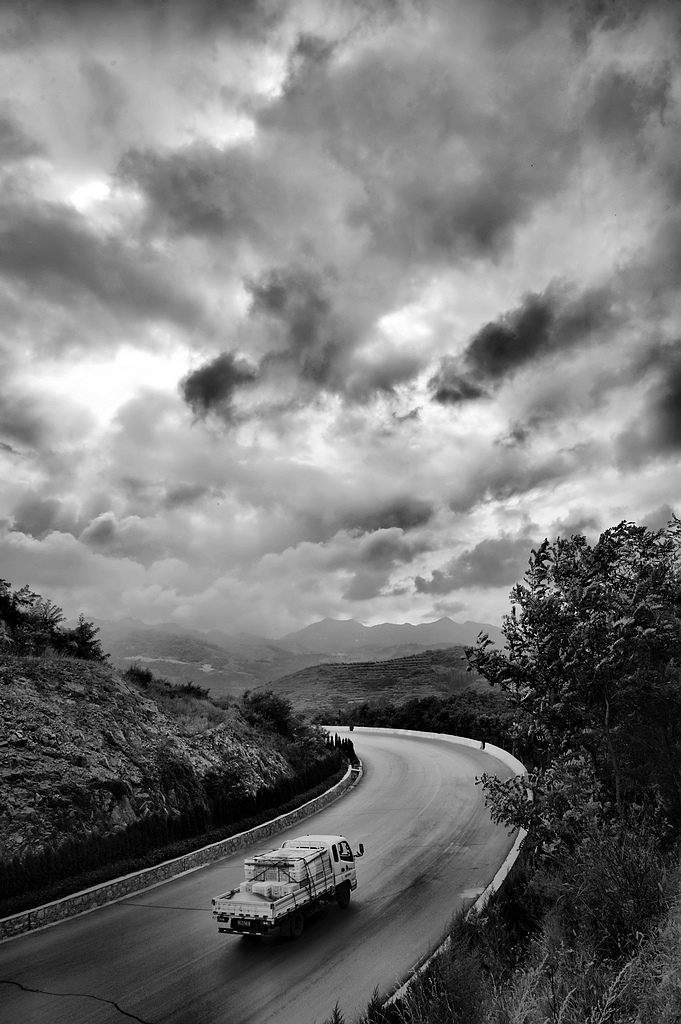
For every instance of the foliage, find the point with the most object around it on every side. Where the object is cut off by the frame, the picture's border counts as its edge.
(82, 642)
(345, 746)
(591, 669)
(587, 928)
(568, 946)
(270, 711)
(143, 677)
(470, 713)
(32, 625)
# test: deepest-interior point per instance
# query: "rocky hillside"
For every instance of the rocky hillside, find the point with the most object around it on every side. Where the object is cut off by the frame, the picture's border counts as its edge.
(84, 749)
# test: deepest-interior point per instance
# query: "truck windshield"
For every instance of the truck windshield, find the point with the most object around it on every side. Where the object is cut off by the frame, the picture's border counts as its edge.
(345, 851)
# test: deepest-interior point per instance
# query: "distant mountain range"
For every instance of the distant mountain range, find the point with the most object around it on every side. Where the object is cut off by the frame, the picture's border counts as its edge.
(231, 663)
(345, 636)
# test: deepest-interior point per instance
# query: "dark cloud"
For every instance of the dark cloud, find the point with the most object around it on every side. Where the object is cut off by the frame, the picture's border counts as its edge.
(367, 377)
(106, 95)
(544, 324)
(656, 431)
(445, 173)
(312, 311)
(576, 524)
(198, 189)
(449, 387)
(130, 538)
(211, 388)
(623, 102)
(588, 16)
(15, 143)
(183, 494)
(308, 51)
(386, 548)
(365, 585)
(378, 555)
(491, 563)
(405, 513)
(423, 164)
(501, 346)
(36, 516)
(34, 19)
(413, 414)
(100, 533)
(52, 251)
(22, 421)
(313, 334)
(658, 519)
(447, 608)
(510, 472)
(655, 273)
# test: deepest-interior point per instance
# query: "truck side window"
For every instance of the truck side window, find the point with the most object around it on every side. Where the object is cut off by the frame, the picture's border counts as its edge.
(335, 853)
(345, 851)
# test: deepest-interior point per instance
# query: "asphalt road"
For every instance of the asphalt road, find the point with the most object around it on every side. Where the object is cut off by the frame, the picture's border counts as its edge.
(157, 956)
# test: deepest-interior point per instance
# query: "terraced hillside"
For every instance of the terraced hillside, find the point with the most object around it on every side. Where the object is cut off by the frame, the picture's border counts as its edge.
(334, 687)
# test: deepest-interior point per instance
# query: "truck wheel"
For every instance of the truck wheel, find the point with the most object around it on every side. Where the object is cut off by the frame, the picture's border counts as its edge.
(343, 895)
(296, 925)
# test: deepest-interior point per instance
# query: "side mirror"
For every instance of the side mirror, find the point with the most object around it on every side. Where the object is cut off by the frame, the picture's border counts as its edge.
(360, 851)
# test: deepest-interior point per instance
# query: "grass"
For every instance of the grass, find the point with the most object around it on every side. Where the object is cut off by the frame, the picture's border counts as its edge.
(519, 963)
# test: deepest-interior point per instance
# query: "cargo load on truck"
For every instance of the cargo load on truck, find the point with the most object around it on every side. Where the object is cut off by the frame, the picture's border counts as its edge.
(284, 886)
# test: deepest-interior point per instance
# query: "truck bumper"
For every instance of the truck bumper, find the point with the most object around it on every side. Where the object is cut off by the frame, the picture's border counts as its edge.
(233, 927)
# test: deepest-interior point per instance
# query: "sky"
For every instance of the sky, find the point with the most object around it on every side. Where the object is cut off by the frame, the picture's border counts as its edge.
(333, 308)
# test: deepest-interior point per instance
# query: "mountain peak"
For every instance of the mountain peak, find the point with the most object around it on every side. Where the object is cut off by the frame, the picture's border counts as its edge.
(335, 636)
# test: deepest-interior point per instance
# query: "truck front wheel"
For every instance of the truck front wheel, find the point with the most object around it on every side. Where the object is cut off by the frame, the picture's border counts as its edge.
(343, 895)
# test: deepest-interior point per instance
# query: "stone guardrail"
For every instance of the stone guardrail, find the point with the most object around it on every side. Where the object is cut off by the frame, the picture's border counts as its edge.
(501, 755)
(119, 888)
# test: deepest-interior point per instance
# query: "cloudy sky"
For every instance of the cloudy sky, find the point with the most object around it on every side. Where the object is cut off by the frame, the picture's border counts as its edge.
(332, 307)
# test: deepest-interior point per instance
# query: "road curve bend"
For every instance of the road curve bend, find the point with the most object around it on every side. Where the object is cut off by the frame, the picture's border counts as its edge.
(157, 957)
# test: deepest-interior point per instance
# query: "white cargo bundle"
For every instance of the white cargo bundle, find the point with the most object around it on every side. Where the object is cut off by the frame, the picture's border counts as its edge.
(300, 866)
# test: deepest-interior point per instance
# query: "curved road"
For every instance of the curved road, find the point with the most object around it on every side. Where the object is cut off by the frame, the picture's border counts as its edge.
(157, 956)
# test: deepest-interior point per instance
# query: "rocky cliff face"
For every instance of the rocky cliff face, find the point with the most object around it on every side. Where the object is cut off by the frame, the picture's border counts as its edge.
(82, 749)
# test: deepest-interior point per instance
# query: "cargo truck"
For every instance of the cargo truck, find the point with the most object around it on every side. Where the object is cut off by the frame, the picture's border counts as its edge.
(286, 885)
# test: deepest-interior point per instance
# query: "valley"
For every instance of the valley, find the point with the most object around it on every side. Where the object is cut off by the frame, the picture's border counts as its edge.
(231, 664)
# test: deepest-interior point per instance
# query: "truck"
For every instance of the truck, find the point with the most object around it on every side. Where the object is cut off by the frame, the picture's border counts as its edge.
(284, 886)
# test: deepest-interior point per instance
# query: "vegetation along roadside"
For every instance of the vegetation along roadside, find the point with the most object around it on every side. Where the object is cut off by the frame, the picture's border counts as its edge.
(587, 928)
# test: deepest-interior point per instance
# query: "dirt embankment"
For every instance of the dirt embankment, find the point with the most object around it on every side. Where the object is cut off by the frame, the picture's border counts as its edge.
(83, 750)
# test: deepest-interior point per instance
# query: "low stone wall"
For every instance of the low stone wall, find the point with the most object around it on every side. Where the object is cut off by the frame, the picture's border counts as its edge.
(118, 888)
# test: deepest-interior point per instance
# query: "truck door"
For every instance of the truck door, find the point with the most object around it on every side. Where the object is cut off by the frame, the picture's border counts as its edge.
(344, 861)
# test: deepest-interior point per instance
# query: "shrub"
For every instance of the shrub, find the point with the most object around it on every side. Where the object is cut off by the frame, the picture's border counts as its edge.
(139, 675)
(615, 888)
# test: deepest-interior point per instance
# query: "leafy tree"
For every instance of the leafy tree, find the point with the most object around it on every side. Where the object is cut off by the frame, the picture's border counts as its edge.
(591, 668)
(14, 605)
(83, 641)
(270, 711)
(30, 624)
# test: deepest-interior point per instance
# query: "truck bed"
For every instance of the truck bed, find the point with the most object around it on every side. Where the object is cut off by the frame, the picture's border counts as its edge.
(253, 906)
